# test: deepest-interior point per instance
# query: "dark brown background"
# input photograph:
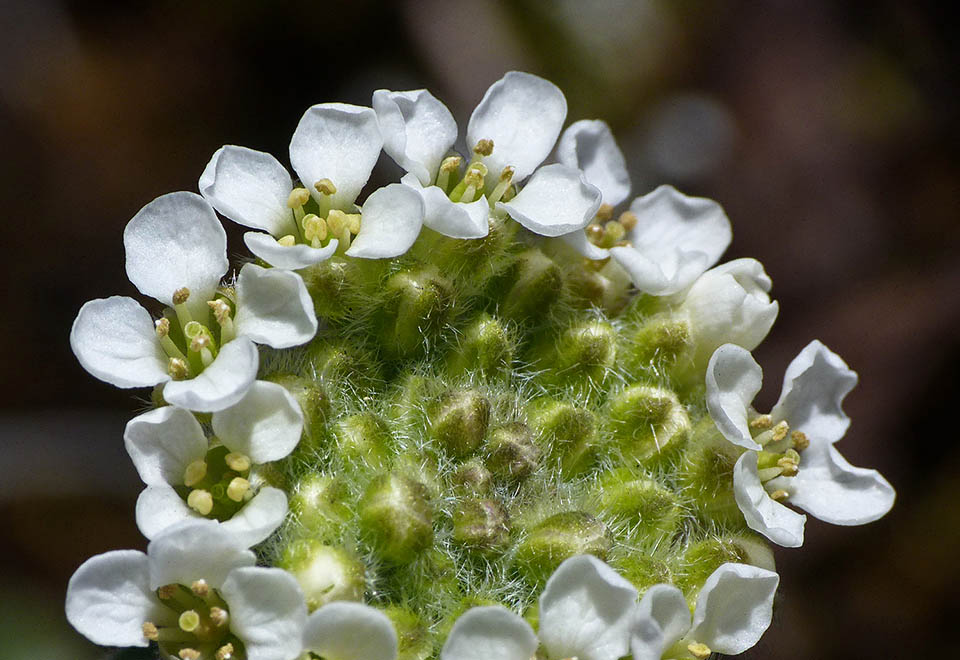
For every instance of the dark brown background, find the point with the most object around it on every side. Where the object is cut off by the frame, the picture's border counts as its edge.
(827, 130)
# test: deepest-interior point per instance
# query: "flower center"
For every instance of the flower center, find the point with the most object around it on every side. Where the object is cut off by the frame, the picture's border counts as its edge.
(218, 485)
(605, 232)
(203, 624)
(317, 222)
(190, 344)
(780, 456)
(472, 185)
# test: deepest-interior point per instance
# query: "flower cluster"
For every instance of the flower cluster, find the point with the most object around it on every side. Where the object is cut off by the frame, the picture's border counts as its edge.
(480, 415)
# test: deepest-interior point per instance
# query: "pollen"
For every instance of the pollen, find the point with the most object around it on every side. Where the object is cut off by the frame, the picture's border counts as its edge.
(483, 147)
(699, 650)
(195, 472)
(325, 187)
(237, 488)
(237, 462)
(761, 422)
(298, 197)
(200, 501)
(181, 296)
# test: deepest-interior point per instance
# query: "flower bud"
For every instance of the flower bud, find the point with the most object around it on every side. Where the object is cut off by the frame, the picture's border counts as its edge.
(473, 476)
(569, 433)
(647, 422)
(460, 421)
(659, 342)
(560, 537)
(414, 641)
(318, 503)
(537, 285)
(583, 354)
(485, 346)
(650, 510)
(511, 452)
(643, 570)
(702, 558)
(417, 306)
(706, 474)
(396, 517)
(313, 399)
(480, 524)
(325, 573)
(363, 439)
(344, 366)
(729, 304)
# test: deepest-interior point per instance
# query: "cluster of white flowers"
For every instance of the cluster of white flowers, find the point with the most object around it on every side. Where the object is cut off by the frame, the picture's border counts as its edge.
(197, 592)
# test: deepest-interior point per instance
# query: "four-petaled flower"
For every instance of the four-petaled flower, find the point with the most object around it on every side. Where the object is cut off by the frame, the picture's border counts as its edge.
(790, 452)
(187, 477)
(203, 347)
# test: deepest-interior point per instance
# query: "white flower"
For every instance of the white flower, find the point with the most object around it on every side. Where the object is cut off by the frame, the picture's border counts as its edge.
(729, 303)
(333, 151)
(586, 611)
(195, 588)
(186, 478)
(350, 631)
(733, 610)
(510, 133)
(790, 451)
(203, 348)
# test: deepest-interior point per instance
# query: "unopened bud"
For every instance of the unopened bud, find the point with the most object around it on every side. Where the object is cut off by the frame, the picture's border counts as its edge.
(645, 505)
(659, 342)
(325, 573)
(560, 537)
(486, 346)
(395, 514)
(537, 285)
(473, 476)
(512, 452)
(480, 524)
(418, 306)
(460, 422)
(319, 504)
(648, 422)
(363, 439)
(569, 431)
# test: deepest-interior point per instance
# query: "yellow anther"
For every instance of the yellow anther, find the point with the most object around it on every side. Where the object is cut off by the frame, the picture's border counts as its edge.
(181, 296)
(167, 591)
(150, 631)
(200, 588)
(604, 213)
(628, 219)
(353, 223)
(237, 462)
(779, 495)
(237, 488)
(699, 650)
(219, 617)
(314, 228)
(163, 327)
(613, 231)
(220, 309)
(189, 621)
(761, 422)
(178, 369)
(800, 440)
(483, 147)
(199, 342)
(336, 221)
(451, 164)
(189, 654)
(780, 431)
(298, 197)
(788, 468)
(506, 174)
(200, 501)
(195, 473)
(474, 177)
(225, 652)
(325, 187)
(287, 241)
(594, 233)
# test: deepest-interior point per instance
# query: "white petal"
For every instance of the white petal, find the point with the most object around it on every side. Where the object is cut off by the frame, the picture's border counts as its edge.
(159, 508)
(523, 115)
(578, 241)
(109, 599)
(814, 386)
(734, 608)
(258, 518)
(195, 550)
(588, 145)
(390, 223)
(350, 631)
(339, 142)
(662, 618)
(675, 240)
(163, 442)
(274, 307)
(484, 633)
(763, 514)
(452, 219)
(267, 612)
(730, 304)
(586, 610)
(417, 130)
(250, 187)
(555, 201)
(265, 424)
(221, 384)
(733, 380)
(176, 241)
(291, 257)
(831, 489)
(115, 340)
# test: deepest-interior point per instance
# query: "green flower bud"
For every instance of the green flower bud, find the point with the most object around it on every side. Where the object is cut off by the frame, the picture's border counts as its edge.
(460, 421)
(706, 474)
(648, 422)
(414, 641)
(313, 399)
(569, 433)
(702, 558)
(486, 345)
(659, 343)
(344, 366)
(512, 453)
(651, 511)
(473, 476)
(363, 439)
(643, 570)
(584, 354)
(319, 505)
(537, 285)
(335, 287)
(480, 524)
(396, 517)
(560, 537)
(416, 308)
(325, 573)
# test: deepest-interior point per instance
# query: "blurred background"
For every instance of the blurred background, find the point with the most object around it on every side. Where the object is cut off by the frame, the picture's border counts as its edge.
(827, 130)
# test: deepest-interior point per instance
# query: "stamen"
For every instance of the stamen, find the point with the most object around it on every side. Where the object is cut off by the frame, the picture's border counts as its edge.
(150, 631)
(219, 617)
(201, 344)
(237, 462)
(189, 621)
(699, 650)
(613, 231)
(474, 181)
(195, 473)
(167, 591)
(779, 495)
(761, 422)
(483, 147)
(506, 177)
(180, 298)
(287, 241)
(450, 165)
(780, 431)
(594, 233)
(225, 652)
(325, 187)
(314, 229)
(628, 219)
(221, 312)
(800, 440)
(200, 588)
(237, 488)
(200, 501)
(178, 368)
(766, 474)
(339, 224)
(298, 197)
(163, 334)
(604, 213)
(189, 654)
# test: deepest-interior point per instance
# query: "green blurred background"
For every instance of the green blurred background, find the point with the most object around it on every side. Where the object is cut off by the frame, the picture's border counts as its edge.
(827, 130)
